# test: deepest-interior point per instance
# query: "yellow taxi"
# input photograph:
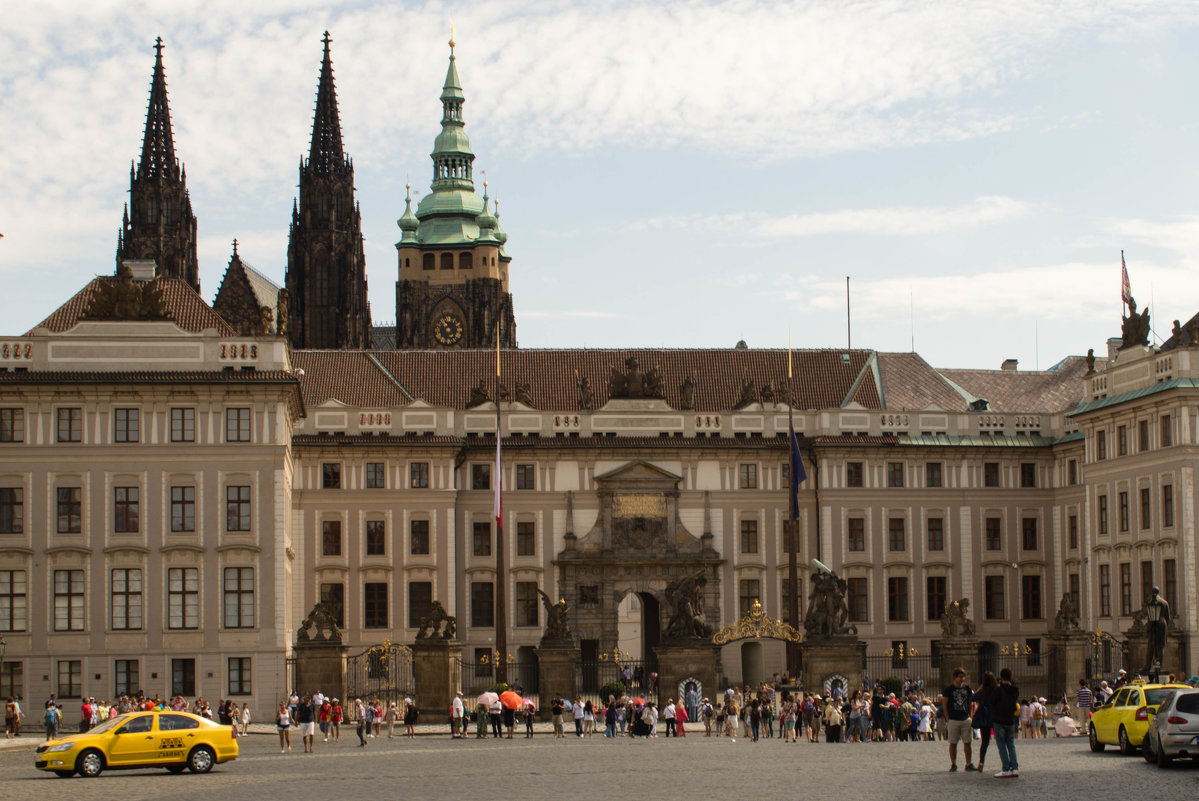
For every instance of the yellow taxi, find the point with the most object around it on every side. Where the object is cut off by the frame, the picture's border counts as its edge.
(1124, 719)
(158, 739)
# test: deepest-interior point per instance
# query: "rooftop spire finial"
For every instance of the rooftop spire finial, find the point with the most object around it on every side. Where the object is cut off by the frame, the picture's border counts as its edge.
(235, 247)
(325, 155)
(452, 42)
(158, 146)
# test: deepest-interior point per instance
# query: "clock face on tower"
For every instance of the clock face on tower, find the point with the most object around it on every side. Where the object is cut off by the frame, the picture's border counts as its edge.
(448, 329)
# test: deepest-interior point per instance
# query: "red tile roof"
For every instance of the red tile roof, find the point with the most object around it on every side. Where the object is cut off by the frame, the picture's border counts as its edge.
(352, 377)
(911, 383)
(1044, 391)
(183, 304)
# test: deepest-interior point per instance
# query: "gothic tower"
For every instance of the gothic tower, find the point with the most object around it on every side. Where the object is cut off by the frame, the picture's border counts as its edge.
(452, 290)
(326, 266)
(158, 222)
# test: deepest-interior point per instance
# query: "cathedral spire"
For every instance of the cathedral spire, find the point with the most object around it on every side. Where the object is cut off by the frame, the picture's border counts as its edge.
(326, 156)
(453, 159)
(158, 146)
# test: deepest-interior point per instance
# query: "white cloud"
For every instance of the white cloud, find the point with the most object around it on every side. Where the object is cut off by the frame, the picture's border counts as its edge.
(1180, 234)
(566, 314)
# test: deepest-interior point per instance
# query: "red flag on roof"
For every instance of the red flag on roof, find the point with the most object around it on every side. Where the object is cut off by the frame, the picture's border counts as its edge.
(1125, 287)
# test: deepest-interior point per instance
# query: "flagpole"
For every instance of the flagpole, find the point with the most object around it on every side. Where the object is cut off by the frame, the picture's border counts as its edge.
(501, 574)
(793, 531)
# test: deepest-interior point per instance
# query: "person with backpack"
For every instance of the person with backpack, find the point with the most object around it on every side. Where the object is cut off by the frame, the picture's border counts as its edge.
(1005, 712)
(53, 718)
(708, 712)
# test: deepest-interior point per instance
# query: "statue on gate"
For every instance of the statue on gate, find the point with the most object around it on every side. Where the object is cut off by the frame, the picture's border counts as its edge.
(1067, 615)
(686, 596)
(437, 625)
(557, 624)
(954, 623)
(828, 613)
(319, 626)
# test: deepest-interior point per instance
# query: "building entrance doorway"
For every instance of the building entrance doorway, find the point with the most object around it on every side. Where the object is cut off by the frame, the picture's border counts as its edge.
(638, 626)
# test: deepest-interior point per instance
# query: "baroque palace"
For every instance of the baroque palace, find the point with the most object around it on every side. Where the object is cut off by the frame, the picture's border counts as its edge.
(180, 482)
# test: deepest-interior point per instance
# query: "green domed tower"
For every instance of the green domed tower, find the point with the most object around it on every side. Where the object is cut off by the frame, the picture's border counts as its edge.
(452, 290)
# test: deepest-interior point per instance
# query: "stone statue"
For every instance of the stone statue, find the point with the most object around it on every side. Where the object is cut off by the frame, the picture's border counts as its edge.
(1157, 621)
(431, 625)
(319, 626)
(687, 393)
(767, 393)
(126, 299)
(504, 393)
(1067, 615)
(1135, 326)
(478, 394)
(686, 597)
(281, 304)
(828, 614)
(586, 396)
(524, 393)
(265, 318)
(557, 624)
(633, 383)
(1090, 361)
(1176, 332)
(954, 622)
(749, 394)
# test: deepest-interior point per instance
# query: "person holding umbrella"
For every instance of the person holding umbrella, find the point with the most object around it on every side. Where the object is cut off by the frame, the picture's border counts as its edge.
(510, 702)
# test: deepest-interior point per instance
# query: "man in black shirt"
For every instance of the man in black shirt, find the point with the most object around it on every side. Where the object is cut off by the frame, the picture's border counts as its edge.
(1004, 715)
(956, 708)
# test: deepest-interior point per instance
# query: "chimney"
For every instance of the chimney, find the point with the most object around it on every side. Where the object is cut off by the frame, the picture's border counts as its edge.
(143, 269)
(1009, 365)
(1113, 347)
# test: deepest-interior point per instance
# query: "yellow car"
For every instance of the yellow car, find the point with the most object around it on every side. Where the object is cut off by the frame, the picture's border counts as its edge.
(166, 739)
(1124, 719)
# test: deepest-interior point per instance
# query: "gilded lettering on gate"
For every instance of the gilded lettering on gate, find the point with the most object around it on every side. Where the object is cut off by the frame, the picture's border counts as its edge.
(645, 505)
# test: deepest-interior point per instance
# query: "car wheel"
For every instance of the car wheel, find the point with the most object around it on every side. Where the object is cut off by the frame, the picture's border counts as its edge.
(64, 774)
(1163, 759)
(1146, 750)
(176, 768)
(1096, 746)
(1126, 748)
(90, 764)
(201, 759)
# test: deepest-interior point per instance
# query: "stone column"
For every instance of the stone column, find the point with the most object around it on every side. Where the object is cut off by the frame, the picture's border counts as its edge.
(320, 666)
(679, 663)
(827, 659)
(435, 675)
(556, 674)
(961, 651)
(1068, 653)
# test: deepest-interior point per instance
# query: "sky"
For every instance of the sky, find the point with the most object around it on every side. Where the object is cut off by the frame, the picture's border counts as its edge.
(671, 174)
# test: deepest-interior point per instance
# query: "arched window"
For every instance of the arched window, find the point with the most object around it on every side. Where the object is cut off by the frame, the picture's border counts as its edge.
(447, 261)
(466, 260)
(429, 261)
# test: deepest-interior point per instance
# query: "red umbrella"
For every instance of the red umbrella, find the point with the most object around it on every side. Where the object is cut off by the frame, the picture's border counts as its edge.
(638, 701)
(510, 700)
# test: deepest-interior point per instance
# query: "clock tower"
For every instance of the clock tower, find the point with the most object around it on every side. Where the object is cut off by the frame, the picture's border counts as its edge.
(452, 290)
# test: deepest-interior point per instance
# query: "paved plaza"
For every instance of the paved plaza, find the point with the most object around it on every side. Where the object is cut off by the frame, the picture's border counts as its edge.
(437, 768)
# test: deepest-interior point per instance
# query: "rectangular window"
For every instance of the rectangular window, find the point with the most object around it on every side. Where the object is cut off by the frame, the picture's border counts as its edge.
(897, 598)
(1073, 581)
(1167, 431)
(1028, 531)
(374, 598)
(1072, 531)
(853, 474)
(1167, 505)
(239, 598)
(991, 474)
(126, 599)
(14, 609)
(1142, 436)
(237, 508)
(1105, 590)
(856, 534)
(183, 677)
(482, 604)
(333, 595)
(786, 475)
(749, 590)
(936, 595)
(1030, 597)
(526, 539)
(526, 477)
(747, 476)
(68, 600)
(1123, 511)
(936, 534)
(1121, 440)
(420, 602)
(1125, 589)
(126, 425)
(183, 424)
(376, 538)
(125, 677)
(1028, 475)
(419, 541)
(237, 425)
(1101, 445)
(480, 476)
(481, 540)
(12, 425)
(749, 536)
(125, 510)
(1146, 509)
(1072, 472)
(69, 424)
(993, 597)
(70, 678)
(418, 475)
(376, 475)
(183, 508)
(183, 598)
(12, 510)
(70, 509)
(239, 675)
(330, 538)
(895, 534)
(1170, 582)
(1102, 514)
(856, 599)
(1146, 581)
(894, 474)
(331, 475)
(527, 604)
(932, 474)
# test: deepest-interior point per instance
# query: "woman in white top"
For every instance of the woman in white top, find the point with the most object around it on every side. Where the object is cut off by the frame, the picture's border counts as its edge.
(283, 725)
(392, 713)
(245, 719)
(926, 716)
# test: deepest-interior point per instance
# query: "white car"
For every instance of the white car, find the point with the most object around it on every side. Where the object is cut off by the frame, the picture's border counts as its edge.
(1174, 730)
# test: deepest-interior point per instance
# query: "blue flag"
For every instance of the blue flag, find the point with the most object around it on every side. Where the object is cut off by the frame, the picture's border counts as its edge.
(798, 474)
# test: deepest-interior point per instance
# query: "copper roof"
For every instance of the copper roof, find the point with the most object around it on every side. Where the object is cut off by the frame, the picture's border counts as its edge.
(1045, 391)
(183, 304)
